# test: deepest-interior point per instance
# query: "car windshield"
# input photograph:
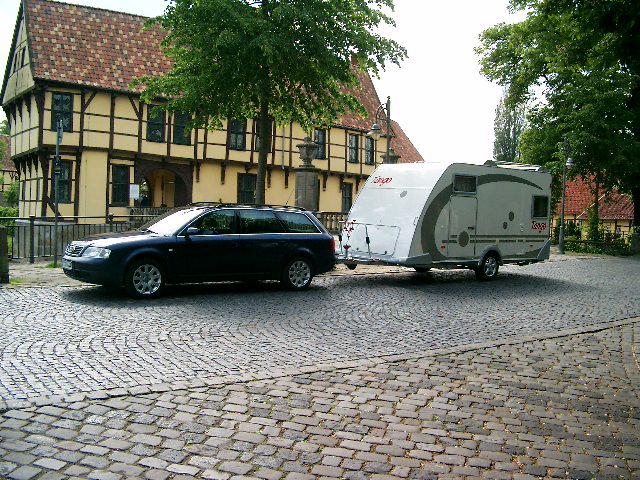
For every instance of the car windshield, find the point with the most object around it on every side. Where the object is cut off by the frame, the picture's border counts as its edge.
(171, 222)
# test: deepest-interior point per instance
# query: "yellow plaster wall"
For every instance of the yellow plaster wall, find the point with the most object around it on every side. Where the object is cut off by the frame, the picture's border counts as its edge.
(21, 80)
(93, 183)
(96, 121)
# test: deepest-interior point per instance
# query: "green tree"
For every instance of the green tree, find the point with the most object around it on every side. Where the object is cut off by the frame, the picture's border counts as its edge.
(509, 123)
(583, 55)
(283, 60)
(11, 194)
(4, 127)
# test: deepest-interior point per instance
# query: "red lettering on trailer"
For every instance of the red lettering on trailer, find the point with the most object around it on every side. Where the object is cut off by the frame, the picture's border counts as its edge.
(381, 180)
(537, 226)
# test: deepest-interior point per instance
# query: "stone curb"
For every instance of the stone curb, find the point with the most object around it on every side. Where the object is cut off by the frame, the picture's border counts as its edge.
(220, 381)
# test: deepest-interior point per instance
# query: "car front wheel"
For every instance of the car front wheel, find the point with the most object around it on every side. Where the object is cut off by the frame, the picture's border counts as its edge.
(144, 279)
(298, 274)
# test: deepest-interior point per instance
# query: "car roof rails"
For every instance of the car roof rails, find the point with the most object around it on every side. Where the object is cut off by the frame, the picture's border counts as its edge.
(245, 205)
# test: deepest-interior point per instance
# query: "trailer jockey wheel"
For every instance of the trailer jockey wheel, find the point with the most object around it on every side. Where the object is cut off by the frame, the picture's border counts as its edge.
(488, 269)
(351, 266)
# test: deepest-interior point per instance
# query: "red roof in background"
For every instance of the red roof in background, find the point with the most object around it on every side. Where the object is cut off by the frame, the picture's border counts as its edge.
(6, 163)
(107, 49)
(403, 146)
(611, 206)
(91, 46)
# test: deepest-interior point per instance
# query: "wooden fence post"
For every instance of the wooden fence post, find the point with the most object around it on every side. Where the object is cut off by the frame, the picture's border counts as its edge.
(4, 256)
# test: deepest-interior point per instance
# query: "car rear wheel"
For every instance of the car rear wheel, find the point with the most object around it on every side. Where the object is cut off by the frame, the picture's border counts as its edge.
(144, 279)
(298, 274)
(488, 269)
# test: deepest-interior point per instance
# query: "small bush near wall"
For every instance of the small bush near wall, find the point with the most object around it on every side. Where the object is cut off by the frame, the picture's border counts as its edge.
(8, 212)
(616, 248)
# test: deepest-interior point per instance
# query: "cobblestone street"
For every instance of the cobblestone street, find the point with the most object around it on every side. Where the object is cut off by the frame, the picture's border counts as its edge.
(387, 374)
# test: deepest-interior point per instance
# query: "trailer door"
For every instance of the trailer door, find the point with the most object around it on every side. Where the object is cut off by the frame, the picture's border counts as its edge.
(462, 227)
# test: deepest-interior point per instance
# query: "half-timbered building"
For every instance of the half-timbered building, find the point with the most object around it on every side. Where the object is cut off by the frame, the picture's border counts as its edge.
(75, 63)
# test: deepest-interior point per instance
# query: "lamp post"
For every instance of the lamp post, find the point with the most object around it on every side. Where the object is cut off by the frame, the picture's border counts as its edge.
(567, 163)
(376, 130)
(57, 166)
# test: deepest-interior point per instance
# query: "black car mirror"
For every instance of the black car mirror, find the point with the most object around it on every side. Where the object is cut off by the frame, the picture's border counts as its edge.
(192, 231)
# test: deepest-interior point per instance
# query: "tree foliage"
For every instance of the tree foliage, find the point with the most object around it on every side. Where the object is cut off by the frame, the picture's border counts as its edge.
(582, 54)
(4, 127)
(509, 123)
(287, 60)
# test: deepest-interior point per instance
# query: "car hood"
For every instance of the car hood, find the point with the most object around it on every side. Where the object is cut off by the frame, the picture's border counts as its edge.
(106, 240)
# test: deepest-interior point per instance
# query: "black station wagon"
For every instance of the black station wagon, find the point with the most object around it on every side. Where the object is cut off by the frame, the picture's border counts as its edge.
(205, 243)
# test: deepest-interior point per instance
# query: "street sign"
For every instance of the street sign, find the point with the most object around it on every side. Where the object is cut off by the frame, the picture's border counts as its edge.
(57, 165)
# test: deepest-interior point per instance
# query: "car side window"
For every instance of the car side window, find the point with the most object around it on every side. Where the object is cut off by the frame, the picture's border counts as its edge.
(259, 221)
(218, 222)
(297, 222)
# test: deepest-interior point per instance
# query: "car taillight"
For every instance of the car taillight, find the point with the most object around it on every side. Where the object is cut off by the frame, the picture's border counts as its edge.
(332, 245)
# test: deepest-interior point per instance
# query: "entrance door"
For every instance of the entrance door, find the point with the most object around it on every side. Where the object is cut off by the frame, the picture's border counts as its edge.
(462, 226)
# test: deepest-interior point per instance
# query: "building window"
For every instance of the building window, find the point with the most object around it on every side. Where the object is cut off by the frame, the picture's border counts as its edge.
(256, 143)
(247, 188)
(181, 136)
(120, 185)
(320, 138)
(64, 182)
(369, 151)
(540, 207)
(155, 124)
(353, 148)
(347, 196)
(237, 134)
(23, 55)
(464, 184)
(62, 109)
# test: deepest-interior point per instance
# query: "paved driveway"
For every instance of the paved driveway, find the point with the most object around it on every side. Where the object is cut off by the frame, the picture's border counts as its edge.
(67, 340)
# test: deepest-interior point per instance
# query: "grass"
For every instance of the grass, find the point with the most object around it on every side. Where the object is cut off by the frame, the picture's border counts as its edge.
(16, 281)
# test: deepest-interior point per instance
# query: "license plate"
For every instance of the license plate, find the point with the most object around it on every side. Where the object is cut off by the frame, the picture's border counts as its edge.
(67, 264)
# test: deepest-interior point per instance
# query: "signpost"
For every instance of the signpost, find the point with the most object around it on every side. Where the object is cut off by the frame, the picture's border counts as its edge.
(57, 169)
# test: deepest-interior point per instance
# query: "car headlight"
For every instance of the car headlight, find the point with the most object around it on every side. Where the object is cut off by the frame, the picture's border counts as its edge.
(96, 252)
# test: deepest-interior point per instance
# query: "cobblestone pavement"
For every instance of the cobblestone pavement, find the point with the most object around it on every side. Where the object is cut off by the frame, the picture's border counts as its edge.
(66, 340)
(376, 374)
(565, 407)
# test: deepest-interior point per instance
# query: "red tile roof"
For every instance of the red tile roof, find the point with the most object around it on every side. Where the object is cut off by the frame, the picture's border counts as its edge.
(611, 206)
(107, 49)
(91, 46)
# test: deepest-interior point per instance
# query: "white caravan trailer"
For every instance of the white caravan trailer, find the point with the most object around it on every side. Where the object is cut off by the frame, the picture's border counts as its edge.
(425, 215)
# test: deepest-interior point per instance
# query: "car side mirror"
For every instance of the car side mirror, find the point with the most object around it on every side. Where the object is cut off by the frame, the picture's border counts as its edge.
(192, 231)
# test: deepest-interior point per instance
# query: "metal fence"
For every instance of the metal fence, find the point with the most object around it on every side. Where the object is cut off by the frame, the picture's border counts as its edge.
(34, 237)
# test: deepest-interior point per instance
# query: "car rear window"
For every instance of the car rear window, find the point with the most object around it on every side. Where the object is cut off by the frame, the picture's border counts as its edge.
(297, 222)
(259, 221)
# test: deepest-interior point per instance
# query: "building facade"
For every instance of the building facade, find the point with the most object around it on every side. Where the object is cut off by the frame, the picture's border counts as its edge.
(73, 64)
(615, 210)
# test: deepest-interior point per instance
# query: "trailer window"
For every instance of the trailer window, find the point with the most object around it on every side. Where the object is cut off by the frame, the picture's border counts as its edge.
(464, 184)
(540, 207)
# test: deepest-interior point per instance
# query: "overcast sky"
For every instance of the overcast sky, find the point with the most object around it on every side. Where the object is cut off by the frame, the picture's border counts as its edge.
(438, 96)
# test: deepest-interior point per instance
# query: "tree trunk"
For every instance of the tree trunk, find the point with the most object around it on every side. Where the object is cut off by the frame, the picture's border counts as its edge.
(265, 146)
(635, 197)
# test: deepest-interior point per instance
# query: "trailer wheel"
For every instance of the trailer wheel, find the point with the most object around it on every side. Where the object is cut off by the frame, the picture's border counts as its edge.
(351, 266)
(488, 269)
